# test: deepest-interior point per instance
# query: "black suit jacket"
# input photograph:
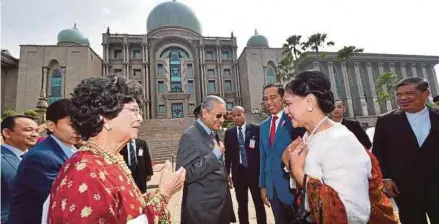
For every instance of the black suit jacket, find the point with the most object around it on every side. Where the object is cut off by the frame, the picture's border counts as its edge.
(143, 169)
(232, 152)
(400, 157)
(355, 127)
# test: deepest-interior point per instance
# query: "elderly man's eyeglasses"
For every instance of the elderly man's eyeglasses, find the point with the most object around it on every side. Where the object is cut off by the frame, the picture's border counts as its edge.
(219, 116)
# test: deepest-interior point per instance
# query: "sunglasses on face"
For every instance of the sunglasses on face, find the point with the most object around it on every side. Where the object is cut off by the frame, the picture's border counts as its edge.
(219, 116)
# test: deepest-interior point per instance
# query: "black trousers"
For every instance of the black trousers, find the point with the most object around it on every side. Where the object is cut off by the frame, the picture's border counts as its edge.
(414, 205)
(245, 179)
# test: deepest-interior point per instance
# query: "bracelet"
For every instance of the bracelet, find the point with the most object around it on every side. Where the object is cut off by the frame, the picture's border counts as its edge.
(162, 196)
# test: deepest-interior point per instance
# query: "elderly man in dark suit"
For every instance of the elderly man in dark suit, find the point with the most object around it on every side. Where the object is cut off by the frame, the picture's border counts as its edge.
(19, 133)
(406, 144)
(206, 195)
(337, 115)
(242, 161)
(136, 155)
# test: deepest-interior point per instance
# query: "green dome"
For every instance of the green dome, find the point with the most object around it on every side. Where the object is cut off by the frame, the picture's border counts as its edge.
(257, 40)
(172, 14)
(72, 35)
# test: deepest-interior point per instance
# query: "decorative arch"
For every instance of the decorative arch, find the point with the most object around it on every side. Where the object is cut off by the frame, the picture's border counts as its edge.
(270, 73)
(56, 81)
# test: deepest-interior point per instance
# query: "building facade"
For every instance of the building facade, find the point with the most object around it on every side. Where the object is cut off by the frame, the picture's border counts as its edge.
(177, 66)
(354, 81)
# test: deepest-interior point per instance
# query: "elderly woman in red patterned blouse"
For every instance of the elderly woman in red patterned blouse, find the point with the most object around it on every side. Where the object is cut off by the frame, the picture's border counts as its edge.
(95, 185)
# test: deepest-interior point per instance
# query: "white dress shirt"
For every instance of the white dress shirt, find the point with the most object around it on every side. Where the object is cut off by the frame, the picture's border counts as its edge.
(279, 117)
(339, 160)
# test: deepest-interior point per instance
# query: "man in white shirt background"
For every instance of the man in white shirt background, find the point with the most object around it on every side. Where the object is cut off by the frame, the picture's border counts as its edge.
(19, 133)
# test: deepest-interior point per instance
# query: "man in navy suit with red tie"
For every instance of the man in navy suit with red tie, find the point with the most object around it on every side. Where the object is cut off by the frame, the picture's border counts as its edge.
(242, 161)
(276, 133)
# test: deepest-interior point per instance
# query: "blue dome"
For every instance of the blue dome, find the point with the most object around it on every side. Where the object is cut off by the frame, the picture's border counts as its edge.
(72, 35)
(257, 40)
(172, 13)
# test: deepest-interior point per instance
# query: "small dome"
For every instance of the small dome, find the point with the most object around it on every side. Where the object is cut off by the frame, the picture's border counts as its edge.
(257, 40)
(172, 13)
(72, 35)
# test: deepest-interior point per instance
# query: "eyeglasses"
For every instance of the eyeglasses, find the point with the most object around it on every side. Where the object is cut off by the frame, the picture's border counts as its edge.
(135, 110)
(219, 116)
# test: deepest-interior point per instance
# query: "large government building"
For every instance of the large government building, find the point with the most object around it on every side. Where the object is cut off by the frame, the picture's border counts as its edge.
(178, 66)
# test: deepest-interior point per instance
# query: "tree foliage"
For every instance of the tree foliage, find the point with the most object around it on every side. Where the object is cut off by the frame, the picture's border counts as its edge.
(8, 113)
(385, 86)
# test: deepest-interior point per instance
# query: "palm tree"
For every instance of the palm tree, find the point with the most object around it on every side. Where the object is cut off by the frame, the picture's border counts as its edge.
(317, 41)
(346, 54)
(291, 47)
(286, 69)
(385, 83)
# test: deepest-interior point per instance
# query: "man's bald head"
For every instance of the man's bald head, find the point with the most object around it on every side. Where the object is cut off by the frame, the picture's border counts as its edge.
(238, 114)
(238, 109)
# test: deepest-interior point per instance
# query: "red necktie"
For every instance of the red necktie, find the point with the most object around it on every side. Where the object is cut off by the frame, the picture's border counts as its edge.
(273, 130)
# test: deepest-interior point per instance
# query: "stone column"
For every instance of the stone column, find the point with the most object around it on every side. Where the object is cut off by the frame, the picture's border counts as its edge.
(360, 90)
(388, 103)
(201, 72)
(237, 77)
(218, 68)
(414, 72)
(392, 68)
(403, 70)
(372, 89)
(348, 89)
(146, 88)
(63, 84)
(316, 65)
(332, 78)
(143, 54)
(44, 78)
(434, 82)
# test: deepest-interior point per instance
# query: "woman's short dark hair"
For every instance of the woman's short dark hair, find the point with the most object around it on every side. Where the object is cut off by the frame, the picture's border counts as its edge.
(101, 96)
(316, 83)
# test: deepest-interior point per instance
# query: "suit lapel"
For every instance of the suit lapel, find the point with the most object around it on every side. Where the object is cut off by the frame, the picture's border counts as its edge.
(434, 121)
(206, 138)
(10, 157)
(404, 127)
(57, 148)
(279, 129)
(247, 134)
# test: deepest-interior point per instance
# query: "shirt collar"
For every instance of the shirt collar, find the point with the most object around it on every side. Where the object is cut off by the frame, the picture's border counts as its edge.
(68, 150)
(279, 115)
(14, 150)
(242, 126)
(422, 112)
(208, 130)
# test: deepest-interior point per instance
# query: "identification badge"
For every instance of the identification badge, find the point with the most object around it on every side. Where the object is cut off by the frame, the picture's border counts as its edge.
(140, 152)
(252, 143)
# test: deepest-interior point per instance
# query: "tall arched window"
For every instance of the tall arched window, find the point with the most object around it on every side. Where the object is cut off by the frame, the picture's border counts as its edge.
(55, 86)
(270, 75)
(175, 67)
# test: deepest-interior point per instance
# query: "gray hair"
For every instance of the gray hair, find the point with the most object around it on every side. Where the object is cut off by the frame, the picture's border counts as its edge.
(208, 102)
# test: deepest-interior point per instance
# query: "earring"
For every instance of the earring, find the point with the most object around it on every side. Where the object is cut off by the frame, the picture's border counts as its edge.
(108, 127)
(309, 109)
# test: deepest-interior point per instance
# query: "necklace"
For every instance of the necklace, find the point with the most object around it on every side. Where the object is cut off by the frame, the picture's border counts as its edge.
(114, 159)
(308, 140)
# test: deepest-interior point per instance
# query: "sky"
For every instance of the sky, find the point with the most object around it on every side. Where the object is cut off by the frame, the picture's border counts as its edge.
(378, 26)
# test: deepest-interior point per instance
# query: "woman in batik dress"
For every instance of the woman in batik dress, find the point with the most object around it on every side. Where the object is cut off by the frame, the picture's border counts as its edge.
(95, 185)
(341, 179)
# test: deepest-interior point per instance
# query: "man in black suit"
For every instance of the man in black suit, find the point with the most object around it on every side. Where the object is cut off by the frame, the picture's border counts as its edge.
(242, 161)
(354, 126)
(136, 155)
(406, 144)
(197, 112)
